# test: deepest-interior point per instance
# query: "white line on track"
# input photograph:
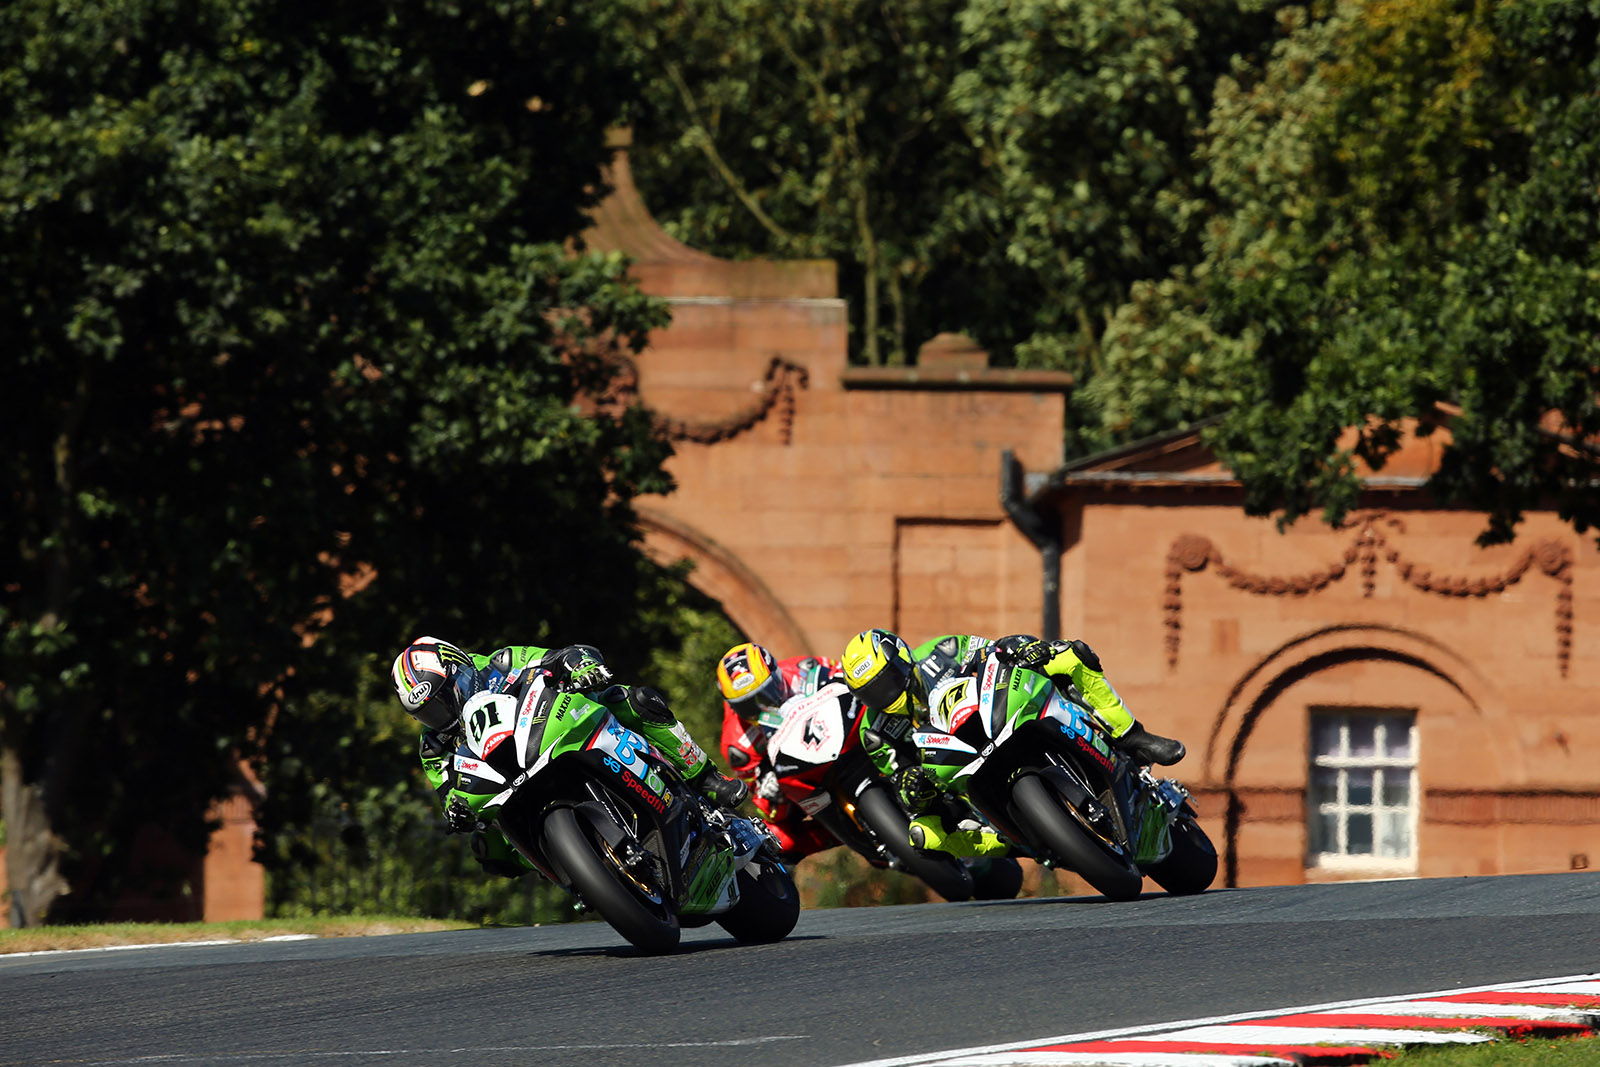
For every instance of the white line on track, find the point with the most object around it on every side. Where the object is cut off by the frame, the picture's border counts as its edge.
(1122, 1059)
(307, 1055)
(156, 944)
(1577, 983)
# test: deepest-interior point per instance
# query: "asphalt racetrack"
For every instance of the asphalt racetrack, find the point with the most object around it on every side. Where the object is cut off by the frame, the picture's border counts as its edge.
(849, 985)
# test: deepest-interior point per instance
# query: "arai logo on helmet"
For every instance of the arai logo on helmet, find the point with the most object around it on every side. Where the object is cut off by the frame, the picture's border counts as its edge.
(419, 694)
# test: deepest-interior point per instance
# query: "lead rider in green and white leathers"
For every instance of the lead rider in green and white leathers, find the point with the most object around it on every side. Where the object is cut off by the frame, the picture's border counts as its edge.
(893, 682)
(434, 680)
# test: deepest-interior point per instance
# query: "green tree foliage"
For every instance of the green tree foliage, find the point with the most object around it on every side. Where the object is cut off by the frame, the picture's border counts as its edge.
(293, 353)
(1084, 118)
(1006, 168)
(795, 129)
(1407, 225)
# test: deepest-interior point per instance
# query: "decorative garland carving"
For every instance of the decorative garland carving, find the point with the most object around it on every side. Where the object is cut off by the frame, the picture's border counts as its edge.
(782, 381)
(1192, 552)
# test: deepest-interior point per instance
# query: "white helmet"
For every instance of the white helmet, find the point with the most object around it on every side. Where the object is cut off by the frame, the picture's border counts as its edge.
(433, 680)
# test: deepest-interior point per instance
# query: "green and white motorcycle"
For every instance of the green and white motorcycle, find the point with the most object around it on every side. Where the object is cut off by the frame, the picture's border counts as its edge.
(1034, 760)
(599, 812)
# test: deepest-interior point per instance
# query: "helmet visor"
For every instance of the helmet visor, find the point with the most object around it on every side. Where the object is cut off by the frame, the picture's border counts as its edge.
(443, 708)
(769, 697)
(439, 711)
(886, 691)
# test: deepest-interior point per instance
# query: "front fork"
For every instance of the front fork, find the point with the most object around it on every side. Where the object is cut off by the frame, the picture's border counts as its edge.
(1157, 804)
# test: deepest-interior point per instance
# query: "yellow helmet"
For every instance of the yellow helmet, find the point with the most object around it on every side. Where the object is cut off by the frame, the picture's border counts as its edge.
(880, 671)
(750, 681)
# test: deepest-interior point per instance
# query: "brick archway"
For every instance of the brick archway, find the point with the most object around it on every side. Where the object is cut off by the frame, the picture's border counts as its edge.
(1303, 655)
(721, 575)
(1316, 659)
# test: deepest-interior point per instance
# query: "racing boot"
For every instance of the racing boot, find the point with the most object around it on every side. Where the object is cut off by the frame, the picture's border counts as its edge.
(728, 792)
(1147, 747)
(968, 839)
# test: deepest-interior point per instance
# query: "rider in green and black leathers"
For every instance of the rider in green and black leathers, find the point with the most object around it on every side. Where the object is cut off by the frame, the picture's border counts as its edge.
(434, 680)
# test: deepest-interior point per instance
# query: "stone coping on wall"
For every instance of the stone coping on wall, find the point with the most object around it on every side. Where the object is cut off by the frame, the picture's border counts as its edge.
(988, 379)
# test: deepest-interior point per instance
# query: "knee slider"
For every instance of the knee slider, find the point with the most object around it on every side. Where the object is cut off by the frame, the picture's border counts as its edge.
(737, 757)
(648, 703)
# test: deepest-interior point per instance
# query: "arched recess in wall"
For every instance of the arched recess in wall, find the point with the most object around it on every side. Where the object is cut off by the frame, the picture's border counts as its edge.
(721, 575)
(1305, 656)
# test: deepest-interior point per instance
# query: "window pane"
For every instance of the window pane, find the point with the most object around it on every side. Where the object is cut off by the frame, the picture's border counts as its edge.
(1396, 792)
(1363, 735)
(1359, 831)
(1358, 786)
(1395, 834)
(1325, 735)
(1398, 741)
(1324, 786)
(1324, 832)
(1361, 791)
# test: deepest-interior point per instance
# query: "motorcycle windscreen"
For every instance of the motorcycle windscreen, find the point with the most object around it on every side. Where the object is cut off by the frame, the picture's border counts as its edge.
(813, 729)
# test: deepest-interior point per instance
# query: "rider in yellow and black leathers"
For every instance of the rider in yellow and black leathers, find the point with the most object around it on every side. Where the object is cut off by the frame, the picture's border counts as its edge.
(893, 682)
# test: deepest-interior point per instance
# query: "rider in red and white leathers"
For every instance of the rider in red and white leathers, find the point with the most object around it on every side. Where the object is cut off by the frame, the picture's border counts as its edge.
(755, 684)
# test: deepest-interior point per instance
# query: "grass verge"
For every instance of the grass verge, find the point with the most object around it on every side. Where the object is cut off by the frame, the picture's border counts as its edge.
(1557, 1052)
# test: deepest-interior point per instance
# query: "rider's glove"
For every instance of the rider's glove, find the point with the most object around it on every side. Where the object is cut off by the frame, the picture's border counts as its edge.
(459, 818)
(917, 790)
(1020, 650)
(767, 787)
(588, 676)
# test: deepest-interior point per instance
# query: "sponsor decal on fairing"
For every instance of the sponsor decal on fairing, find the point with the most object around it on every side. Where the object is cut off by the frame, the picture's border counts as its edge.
(815, 803)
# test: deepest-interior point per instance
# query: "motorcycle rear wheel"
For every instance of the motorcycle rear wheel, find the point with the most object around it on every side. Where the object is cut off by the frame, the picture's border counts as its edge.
(769, 904)
(597, 876)
(1046, 815)
(1191, 866)
(944, 874)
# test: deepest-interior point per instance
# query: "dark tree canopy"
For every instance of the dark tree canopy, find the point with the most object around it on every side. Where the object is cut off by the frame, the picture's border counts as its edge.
(1407, 225)
(294, 349)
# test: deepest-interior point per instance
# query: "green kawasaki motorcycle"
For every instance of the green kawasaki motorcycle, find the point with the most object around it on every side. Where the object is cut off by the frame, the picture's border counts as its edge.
(599, 812)
(1035, 761)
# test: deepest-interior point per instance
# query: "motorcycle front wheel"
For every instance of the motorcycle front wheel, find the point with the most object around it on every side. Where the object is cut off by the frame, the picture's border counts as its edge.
(944, 874)
(995, 878)
(1191, 866)
(634, 910)
(1046, 815)
(769, 904)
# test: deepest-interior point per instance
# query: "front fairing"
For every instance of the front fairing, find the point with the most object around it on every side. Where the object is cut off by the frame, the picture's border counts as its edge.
(816, 747)
(970, 718)
(527, 751)
(510, 737)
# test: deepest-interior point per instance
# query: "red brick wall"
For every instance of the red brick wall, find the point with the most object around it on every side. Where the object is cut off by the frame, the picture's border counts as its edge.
(1226, 632)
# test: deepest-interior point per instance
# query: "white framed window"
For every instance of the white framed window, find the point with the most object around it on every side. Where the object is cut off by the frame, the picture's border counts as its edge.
(1361, 797)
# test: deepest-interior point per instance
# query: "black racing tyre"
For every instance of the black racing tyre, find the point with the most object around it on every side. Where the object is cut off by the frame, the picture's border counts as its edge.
(1046, 815)
(1191, 866)
(636, 913)
(942, 873)
(769, 904)
(996, 878)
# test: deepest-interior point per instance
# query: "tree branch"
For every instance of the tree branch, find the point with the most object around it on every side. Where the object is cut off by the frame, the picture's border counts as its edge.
(709, 147)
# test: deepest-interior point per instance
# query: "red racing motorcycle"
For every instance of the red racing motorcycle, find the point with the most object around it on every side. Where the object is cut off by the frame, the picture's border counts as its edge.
(817, 756)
